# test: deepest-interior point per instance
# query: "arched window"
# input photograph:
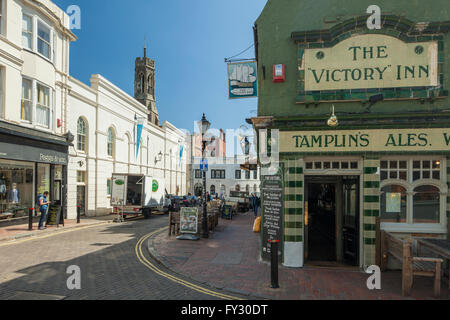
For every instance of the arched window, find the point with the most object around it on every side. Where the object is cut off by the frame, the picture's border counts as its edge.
(213, 190)
(111, 142)
(149, 85)
(247, 188)
(238, 187)
(426, 204)
(81, 135)
(255, 188)
(141, 82)
(393, 204)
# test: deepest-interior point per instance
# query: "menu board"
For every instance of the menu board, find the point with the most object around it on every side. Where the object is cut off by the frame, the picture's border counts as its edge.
(188, 220)
(54, 216)
(272, 212)
(227, 212)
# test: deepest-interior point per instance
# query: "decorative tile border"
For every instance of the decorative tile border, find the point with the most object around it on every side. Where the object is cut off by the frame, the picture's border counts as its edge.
(371, 205)
(395, 26)
(293, 200)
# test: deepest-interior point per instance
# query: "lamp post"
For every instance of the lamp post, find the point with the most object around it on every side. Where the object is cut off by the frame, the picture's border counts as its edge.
(204, 127)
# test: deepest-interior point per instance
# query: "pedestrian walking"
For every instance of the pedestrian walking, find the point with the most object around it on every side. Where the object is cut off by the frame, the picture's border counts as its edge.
(43, 208)
(255, 204)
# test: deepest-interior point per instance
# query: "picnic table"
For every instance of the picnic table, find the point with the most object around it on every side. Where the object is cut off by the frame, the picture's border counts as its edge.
(440, 247)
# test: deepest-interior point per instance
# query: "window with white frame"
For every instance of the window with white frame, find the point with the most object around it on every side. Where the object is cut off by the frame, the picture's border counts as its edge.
(27, 31)
(43, 40)
(111, 142)
(108, 187)
(43, 105)
(413, 191)
(27, 100)
(81, 134)
(1, 16)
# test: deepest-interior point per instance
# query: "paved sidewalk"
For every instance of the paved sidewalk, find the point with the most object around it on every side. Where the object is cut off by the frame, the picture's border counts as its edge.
(20, 231)
(229, 259)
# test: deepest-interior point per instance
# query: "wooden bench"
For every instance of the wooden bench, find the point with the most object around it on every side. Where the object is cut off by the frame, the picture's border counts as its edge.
(411, 266)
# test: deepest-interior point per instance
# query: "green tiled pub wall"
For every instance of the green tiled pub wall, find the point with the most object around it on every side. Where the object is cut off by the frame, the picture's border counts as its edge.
(371, 204)
(293, 200)
(448, 198)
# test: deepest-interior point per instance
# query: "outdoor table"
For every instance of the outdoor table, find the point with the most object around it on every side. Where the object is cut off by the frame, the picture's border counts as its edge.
(438, 246)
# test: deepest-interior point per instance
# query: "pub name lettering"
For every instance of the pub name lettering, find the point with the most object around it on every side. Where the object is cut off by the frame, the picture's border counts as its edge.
(363, 140)
(359, 53)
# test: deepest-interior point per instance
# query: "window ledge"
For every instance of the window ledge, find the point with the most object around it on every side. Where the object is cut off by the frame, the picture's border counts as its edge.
(414, 228)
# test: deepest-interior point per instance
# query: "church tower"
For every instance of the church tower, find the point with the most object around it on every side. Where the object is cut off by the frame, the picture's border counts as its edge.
(144, 85)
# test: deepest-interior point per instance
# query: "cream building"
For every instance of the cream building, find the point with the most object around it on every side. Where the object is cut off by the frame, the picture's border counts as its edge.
(40, 104)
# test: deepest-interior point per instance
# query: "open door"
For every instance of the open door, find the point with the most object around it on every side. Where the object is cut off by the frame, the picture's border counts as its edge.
(350, 226)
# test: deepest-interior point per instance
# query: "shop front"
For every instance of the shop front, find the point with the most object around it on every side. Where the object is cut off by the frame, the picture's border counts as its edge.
(31, 162)
(358, 121)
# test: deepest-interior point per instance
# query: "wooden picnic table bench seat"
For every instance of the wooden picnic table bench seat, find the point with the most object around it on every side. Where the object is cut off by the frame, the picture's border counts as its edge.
(401, 250)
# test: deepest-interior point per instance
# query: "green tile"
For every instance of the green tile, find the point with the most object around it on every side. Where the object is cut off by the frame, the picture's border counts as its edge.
(371, 213)
(369, 241)
(371, 184)
(293, 225)
(371, 199)
(370, 227)
(370, 170)
(293, 238)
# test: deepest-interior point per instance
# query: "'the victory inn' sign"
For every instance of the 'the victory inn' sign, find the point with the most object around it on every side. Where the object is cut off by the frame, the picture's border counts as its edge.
(371, 61)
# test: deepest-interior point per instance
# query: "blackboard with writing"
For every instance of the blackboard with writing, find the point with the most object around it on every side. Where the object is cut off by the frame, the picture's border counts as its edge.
(54, 217)
(272, 213)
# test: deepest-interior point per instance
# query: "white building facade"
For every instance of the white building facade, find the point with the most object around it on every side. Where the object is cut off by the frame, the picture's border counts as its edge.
(224, 176)
(104, 125)
(40, 104)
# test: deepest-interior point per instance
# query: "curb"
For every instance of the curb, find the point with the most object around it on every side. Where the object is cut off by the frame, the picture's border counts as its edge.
(49, 232)
(161, 260)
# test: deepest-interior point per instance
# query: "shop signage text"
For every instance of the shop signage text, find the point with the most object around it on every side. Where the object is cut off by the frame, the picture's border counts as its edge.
(371, 61)
(366, 140)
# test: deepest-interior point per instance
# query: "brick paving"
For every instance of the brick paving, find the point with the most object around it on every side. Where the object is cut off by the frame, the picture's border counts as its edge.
(106, 255)
(20, 231)
(230, 259)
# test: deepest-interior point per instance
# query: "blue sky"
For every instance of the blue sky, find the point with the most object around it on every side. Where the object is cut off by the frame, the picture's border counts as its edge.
(189, 41)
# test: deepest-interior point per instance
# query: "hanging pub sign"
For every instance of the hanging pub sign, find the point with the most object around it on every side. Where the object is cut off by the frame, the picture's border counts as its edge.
(242, 80)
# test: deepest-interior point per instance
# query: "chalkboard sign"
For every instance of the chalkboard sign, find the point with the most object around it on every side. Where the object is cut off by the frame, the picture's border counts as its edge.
(272, 212)
(227, 212)
(54, 217)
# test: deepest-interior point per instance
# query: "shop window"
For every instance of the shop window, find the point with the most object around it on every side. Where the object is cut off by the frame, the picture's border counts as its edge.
(393, 204)
(426, 204)
(27, 100)
(43, 178)
(81, 134)
(43, 105)
(111, 142)
(43, 40)
(27, 32)
(212, 190)
(16, 188)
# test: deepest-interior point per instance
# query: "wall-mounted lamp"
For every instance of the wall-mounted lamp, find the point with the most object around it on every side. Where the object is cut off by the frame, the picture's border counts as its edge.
(158, 158)
(333, 121)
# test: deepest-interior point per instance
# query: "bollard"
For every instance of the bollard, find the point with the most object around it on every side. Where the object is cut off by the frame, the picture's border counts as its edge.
(78, 214)
(274, 264)
(30, 219)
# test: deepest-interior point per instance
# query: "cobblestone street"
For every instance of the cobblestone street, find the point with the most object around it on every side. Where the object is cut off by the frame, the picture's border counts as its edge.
(110, 269)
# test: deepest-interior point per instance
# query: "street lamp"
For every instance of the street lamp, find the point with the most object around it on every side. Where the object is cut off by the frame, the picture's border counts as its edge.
(204, 127)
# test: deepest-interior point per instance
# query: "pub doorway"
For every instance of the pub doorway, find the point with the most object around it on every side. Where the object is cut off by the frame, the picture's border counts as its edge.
(331, 220)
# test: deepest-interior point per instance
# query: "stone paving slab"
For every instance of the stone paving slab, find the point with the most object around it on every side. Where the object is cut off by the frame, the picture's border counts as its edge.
(229, 260)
